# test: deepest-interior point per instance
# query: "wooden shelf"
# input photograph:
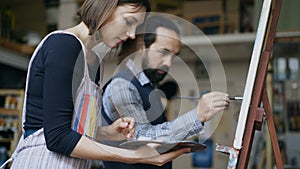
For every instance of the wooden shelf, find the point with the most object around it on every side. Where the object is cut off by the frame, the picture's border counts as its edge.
(14, 59)
(11, 92)
(17, 47)
(9, 112)
(6, 140)
(14, 97)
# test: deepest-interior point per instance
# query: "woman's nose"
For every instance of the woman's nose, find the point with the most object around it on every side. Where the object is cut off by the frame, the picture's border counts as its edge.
(131, 33)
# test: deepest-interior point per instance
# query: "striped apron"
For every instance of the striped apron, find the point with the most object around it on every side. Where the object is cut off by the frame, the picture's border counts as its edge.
(32, 153)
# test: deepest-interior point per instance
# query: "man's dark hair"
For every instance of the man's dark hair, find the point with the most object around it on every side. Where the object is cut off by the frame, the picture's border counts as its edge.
(151, 25)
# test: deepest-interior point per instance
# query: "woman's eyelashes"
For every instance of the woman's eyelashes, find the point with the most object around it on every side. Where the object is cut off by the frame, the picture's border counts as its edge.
(128, 22)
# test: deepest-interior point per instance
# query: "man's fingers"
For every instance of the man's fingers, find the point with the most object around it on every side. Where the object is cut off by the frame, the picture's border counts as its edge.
(220, 104)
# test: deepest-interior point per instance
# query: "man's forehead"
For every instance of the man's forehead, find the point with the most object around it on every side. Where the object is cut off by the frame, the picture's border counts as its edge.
(163, 31)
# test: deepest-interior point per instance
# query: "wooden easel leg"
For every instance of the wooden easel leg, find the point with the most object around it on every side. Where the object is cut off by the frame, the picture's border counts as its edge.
(272, 130)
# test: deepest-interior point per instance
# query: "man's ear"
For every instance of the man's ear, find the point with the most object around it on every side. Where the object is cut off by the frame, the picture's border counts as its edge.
(140, 43)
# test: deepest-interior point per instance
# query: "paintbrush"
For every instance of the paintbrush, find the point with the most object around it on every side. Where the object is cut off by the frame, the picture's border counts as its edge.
(121, 116)
(117, 110)
(190, 97)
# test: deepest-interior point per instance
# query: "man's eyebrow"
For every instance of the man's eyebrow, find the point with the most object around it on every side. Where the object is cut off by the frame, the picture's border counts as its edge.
(167, 50)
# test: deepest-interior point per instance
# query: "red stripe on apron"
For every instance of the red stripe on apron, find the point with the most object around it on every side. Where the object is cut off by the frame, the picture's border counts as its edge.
(84, 114)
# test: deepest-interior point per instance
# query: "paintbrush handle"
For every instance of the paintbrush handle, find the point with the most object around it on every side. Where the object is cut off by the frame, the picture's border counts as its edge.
(117, 110)
(190, 97)
(185, 97)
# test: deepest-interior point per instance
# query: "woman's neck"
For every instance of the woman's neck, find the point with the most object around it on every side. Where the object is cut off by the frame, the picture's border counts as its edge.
(81, 31)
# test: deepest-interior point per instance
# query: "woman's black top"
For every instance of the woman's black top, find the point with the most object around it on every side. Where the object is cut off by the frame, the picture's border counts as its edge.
(49, 96)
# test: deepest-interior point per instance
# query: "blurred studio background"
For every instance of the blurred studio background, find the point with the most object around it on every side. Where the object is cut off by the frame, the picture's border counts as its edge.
(231, 27)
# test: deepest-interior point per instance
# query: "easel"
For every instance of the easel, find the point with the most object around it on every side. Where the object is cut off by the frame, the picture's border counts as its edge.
(239, 158)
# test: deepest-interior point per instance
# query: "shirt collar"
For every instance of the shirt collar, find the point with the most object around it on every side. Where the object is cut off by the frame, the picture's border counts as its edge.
(138, 73)
(102, 50)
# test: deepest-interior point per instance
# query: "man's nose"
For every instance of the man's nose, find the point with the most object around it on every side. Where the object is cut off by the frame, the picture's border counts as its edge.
(168, 61)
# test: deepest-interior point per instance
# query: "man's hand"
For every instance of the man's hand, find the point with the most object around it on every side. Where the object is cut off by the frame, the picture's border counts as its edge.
(211, 104)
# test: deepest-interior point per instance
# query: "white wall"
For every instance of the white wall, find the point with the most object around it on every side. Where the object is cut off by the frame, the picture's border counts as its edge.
(67, 14)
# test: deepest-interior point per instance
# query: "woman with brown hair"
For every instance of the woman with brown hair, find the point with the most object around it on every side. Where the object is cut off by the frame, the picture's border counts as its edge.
(49, 139)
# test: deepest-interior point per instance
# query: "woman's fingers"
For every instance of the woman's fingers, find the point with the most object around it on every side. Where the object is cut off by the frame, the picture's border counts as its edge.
(123, 128)
(126, 127)
(131, 122)
(129, 132)
(167, 157)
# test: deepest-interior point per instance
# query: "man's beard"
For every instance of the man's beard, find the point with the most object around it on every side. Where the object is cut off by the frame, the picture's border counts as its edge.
(154, 75)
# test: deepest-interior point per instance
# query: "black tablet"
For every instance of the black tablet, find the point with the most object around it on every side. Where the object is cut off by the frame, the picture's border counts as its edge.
(164, 147)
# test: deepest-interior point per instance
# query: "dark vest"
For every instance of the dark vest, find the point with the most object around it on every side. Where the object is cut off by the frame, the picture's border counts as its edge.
(144, 92)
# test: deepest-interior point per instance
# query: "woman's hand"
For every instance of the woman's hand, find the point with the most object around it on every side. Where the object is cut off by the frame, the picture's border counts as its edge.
(86, 148)
(149, 155)
(119, 130)
(211, 104)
